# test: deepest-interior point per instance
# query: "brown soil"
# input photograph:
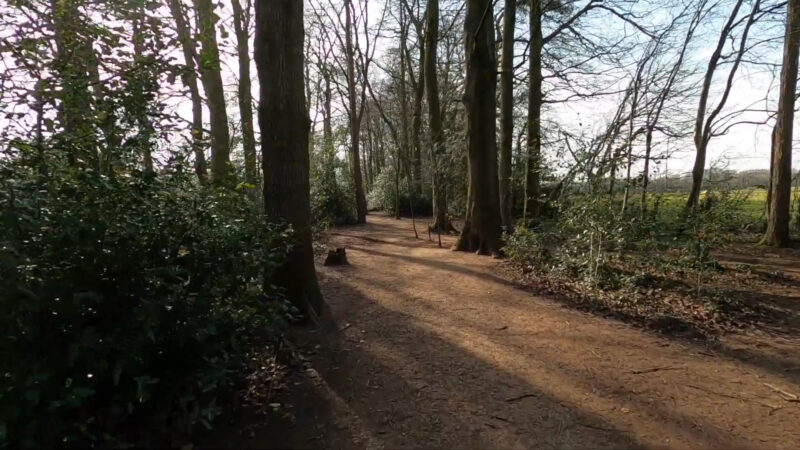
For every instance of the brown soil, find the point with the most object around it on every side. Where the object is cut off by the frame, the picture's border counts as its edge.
(439, 349)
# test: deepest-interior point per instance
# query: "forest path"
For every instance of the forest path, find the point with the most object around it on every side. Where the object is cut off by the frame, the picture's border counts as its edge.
(437, 349)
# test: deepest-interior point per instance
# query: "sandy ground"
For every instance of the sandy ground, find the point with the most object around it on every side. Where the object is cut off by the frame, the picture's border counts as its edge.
(438, 349)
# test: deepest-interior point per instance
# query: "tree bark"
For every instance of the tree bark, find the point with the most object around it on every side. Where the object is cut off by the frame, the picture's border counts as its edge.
(73, 54)
(631, 133)
(284, 123)
(405, 139)
(327, 130)
(416, 127)
(701, 125)
(146, 130)
(189, 78)
(533, 166)
(440, 221)
(777, 233)
(507, 110)
(210, 73)
(481, 232)
(240, 24)
(355, 116)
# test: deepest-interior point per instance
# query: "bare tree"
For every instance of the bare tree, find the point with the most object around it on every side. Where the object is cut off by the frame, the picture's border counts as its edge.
(241, 24)
(211, 76)
(703, 128)
(189, 77)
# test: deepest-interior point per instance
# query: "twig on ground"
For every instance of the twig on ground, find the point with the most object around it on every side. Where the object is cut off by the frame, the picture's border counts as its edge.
(655, 369)
(595, 427)
(503, 419)
(521, 397)
(714, 392)
(788, 396)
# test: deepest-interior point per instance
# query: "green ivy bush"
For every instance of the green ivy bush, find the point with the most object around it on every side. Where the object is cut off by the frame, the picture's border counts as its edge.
(383, 196)
(332, 203)
(129, 308)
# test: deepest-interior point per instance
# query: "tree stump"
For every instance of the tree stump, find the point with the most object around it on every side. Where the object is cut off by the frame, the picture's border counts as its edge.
(336, 257)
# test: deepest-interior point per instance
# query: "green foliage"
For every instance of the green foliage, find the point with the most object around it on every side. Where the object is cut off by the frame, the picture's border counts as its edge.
(589, 236)
(126, 305)
(384, 191)
(331, 203)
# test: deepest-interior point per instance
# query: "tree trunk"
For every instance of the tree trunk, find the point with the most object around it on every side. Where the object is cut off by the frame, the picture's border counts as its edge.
(533, 167)
(781, 186)
(507, 110)
(631, 136)
(481, 232)
(327, 131)
(73, 54)
(210, 72)
(189, 78)
(701, 125)
(416, 127)
(440, 221)
(648, 148)
(284, 122)
(146, 130)
(403, 152)
(355, 116)
(241, 20)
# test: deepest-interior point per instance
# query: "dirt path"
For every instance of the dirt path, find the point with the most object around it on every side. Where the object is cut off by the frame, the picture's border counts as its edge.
(437, 349)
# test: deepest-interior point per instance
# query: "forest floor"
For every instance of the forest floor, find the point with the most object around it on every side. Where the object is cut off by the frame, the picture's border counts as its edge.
(440, 349)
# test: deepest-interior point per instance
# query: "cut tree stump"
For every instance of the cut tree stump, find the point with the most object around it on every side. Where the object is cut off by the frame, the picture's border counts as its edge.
(336, 257)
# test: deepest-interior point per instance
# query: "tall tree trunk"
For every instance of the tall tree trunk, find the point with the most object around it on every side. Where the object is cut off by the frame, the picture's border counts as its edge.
(327, 131)
(241, 20)
(533, 167)
(702, 125)
(648, 148)
(781, 184)
(73, 53)
(355, 116)
(146, 130)
(106, 119)
(284, 123)
(631, 136)
(507, 110)
(403, 152)
(416, 127)
(211, 75)
(189, 78)
(440, 220)
(481, 232)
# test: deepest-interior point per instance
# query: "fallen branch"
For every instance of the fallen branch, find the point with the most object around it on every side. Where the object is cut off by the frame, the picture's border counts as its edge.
(788, 396)
(521, 397)
(595, 427)
(714, 392)
(503, 419)
(656, 369)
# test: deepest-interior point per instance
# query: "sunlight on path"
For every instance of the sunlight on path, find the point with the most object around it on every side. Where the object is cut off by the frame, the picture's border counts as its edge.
(441, 350)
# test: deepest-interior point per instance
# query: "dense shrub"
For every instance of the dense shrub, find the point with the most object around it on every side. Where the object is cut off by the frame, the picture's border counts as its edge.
(331, 203)
(126, 305)
(383, 196)
(589, 233)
